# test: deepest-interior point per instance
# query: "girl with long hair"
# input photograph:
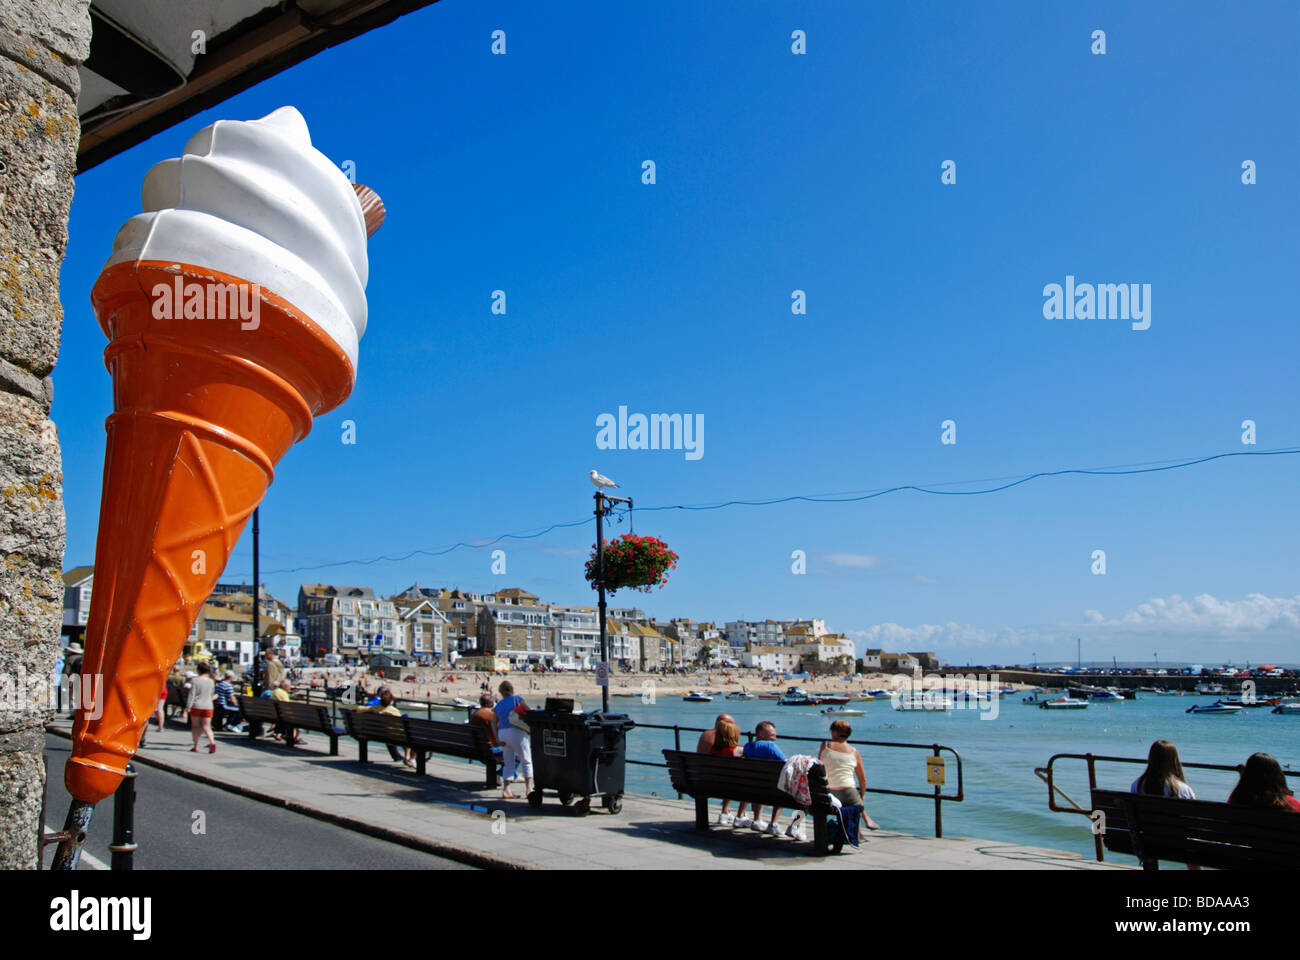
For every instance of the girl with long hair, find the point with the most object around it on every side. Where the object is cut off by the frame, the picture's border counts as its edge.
(1263, 786)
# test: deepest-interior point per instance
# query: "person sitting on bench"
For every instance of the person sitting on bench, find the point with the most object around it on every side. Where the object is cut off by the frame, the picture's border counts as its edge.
(1263, 786)
(385, 706)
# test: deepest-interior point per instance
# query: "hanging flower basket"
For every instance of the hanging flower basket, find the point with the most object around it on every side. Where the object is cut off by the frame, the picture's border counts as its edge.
(632, 562)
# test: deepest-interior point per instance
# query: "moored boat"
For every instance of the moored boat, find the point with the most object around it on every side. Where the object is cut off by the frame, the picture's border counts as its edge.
(844, 712)
(923, 700)
(741, 695)
(696, 697)
(1064, 703)
(1289, 709)
(1216, 707)
(1105, 696)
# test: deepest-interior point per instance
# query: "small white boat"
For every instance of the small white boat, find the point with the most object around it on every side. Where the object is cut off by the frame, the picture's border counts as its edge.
(1064, 703)
(462, 702)
(1288, 709)
(844, 712)
(1216, 707)
(923, 701)
(696, 697)
(741, 695)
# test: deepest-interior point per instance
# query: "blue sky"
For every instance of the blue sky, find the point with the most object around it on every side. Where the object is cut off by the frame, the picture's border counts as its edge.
(821, 173)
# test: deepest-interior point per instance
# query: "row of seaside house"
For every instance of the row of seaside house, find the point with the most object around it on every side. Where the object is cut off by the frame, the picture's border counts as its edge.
(423, 625)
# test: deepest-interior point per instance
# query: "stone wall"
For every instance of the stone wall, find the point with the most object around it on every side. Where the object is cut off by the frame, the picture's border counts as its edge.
(41, 42)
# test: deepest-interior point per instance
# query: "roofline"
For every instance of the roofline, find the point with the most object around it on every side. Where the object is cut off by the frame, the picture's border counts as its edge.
(240, 62)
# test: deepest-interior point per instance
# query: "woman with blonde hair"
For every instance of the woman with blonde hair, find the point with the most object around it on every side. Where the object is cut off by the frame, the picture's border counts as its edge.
(723, 741)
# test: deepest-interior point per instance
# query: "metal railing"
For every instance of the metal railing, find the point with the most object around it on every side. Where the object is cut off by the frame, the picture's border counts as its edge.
(937, 749)
(1047, 775)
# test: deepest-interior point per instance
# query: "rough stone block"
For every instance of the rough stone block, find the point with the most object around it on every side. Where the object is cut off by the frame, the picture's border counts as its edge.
(39, 132)
(48, 37)
(22, 784)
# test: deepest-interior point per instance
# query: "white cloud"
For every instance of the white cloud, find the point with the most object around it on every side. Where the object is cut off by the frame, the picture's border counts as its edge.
(1197, 627)
(893, 637)
(1255, 614)
(861, 560)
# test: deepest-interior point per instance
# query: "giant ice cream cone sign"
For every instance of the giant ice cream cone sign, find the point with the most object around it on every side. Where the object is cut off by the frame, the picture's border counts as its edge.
(233, 307)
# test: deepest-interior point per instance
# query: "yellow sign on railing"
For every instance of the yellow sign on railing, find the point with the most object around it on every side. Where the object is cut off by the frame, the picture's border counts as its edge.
(934, 771)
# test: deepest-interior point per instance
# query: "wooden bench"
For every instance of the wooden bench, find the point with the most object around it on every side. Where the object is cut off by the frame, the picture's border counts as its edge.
(1203, 832)
(468, 741)
(255, 710)
(704, 776)
(308, 716)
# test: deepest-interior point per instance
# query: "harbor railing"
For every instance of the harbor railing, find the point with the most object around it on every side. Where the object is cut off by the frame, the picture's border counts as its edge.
(1048, 773)
(935, 750)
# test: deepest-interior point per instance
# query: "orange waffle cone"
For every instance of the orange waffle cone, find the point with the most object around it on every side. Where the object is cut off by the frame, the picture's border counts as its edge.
(203, 410)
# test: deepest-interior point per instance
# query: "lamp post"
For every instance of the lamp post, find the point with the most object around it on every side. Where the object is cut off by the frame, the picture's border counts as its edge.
(257, 681)
(604, 503)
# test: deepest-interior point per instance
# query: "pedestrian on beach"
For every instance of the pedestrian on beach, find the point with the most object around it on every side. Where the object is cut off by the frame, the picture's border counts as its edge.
(844, 773)
(763, 747)
(199, 705)
(1262, 785)
(516, 748)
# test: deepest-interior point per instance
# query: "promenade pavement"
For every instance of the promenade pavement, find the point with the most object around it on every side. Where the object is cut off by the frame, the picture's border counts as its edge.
(448, 812)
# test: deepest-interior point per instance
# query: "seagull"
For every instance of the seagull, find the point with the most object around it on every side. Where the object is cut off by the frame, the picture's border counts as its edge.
(601, 481)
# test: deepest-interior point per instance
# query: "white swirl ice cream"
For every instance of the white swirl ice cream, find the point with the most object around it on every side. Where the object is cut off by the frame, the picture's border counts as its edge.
(256, 200)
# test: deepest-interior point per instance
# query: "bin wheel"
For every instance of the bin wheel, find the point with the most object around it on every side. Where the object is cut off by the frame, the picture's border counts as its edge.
(566, 798)
(614, 804)
(581, 808)
(535, 799)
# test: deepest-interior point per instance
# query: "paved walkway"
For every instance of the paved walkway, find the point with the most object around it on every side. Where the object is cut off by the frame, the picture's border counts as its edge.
(448, 812)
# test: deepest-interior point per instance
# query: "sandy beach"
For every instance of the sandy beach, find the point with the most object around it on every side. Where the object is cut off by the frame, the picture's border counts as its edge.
(436, 688)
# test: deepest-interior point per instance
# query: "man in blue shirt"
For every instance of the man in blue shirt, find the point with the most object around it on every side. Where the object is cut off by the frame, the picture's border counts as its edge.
(763, 747)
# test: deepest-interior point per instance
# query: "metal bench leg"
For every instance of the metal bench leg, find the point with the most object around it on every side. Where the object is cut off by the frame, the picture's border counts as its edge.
(290, 734)
(334, 745)
(361, 752)
(491, 773)
(420, 758)
(821, 834)
(701, 813)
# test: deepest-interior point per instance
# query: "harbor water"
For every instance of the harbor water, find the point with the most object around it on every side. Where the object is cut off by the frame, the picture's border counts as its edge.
(1004, 800)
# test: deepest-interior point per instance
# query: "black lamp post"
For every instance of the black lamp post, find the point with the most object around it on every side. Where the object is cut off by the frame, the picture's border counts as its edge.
(604, 503)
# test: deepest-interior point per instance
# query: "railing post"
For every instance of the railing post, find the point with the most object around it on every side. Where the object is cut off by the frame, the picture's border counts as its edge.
(938, 804)
(1092, 785)
(123, 845)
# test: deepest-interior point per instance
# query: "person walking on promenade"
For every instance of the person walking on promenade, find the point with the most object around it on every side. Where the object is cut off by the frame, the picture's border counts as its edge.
(516, 748)
(199, 705)
(723, 741)
(273, 669)
(1262, 785)
(844, 772)
(763, 747)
